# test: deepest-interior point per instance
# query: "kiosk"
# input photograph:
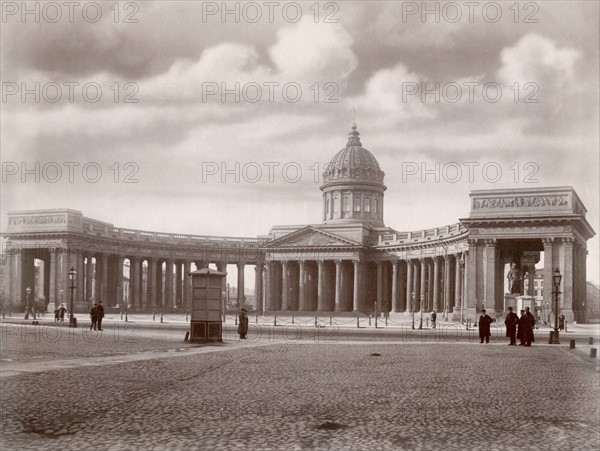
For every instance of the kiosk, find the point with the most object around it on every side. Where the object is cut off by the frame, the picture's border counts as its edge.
(207, 306)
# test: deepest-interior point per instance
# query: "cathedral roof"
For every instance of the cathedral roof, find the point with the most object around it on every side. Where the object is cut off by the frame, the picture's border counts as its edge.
(353, 164)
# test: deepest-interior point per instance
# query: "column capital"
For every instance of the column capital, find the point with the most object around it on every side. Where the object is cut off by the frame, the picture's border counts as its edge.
(491, 243)
(436, 258)
(568, 240)
(395, 263)
(472, 242)
(547, 241)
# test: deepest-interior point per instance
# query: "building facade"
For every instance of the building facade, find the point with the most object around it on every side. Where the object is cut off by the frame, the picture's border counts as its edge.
(350, 263)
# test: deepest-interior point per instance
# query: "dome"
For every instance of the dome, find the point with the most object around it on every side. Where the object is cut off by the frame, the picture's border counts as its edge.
(353, 164)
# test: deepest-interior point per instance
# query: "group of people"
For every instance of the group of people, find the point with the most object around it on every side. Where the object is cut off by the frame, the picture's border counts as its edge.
(516, 327)
(96, 315)
(59, 314)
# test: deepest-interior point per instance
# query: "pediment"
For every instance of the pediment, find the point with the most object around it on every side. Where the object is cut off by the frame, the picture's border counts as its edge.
(310, 237)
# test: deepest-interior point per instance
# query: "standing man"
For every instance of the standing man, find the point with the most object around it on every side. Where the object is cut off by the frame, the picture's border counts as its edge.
(484, 326)
(61, 313)
(94, 317)
(243, 324)
(528, 321)
(433, 318)
(511, 322)
(100, 314)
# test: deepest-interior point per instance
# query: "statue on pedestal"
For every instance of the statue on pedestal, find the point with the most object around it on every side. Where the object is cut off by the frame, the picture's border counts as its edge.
(514, 280)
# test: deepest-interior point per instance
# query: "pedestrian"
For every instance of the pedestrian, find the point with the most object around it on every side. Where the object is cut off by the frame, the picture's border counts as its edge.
(511, 322)
(433, 318)
(561, 322)
(61, 313)
(520, 328)
(56, 315)
(484, 326)
(243, 324)
(94, 317)
(99, 314)
(528, 321)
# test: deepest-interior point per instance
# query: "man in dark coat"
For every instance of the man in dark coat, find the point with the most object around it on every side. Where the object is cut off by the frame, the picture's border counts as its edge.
(433, 319)
(99, 314)
(520, 328)
(243, 324)
(528, 321)
(511, 322)
(561, 322)
(484, 326)
(94, 317)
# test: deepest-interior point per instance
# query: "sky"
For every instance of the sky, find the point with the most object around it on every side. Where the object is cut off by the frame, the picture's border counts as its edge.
(218, 119)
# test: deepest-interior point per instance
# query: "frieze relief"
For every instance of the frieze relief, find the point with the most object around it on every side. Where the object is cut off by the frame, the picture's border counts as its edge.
(521, 202)
(35, 220)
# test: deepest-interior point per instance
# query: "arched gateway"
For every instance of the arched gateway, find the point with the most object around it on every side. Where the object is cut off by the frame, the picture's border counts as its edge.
(351, 262)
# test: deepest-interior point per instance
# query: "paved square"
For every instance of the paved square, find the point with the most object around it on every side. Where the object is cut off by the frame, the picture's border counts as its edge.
(283, 396)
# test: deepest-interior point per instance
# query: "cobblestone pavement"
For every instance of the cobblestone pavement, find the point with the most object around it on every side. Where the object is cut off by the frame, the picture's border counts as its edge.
(303, 395)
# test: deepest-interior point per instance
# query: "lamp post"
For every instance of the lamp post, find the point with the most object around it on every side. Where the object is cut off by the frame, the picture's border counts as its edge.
(72, 319)
(28, 293)
(421, 313)
(412, 303)
(556, 278)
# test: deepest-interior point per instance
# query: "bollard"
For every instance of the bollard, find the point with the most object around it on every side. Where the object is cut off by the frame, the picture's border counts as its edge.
(375, 322)
(292, 319)
(591, 340)
(330, 320)
(187, 336)
(316, 322)
(125, 316)
(565, 326)
(256, 319)
(236, 320)
(357, 322)
(386, 318)
(153, 316)
(571, 344)
(593, 353)
(161, 317)
(427, 322)
(275, 321)
(369, 320)
(186, 316)
(9, 314)
(121, 316)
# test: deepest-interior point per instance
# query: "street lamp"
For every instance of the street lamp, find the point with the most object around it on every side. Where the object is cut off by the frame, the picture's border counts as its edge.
(556, 278)
(412, 303)
(72, 319)
(28, 292)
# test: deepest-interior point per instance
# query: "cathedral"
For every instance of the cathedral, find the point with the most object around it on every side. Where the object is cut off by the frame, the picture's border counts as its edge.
(349, 264)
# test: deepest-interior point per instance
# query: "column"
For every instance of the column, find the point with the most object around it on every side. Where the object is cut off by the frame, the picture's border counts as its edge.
(491, 260)
(284, 286)
(423, 283)
(338, 285)
(178, 285)
(417, 285)
(548, 270)
(240, 284)
(104, 281)
(320, 283)
(89, 277)
(409, 286)
(258, 290)
(447, 276)
(169, 283)
(159, 283)
(457, 282)
(356, 292)
(119, 280)
(268, 287)
(79, 295)
(566, 263)
(395, 286)
(53, 264)
(187, 284)
(151, 280)
(301, 287)
(134, 281)
(436, 284)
